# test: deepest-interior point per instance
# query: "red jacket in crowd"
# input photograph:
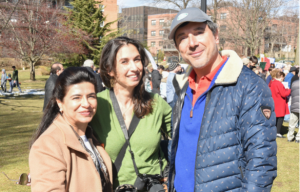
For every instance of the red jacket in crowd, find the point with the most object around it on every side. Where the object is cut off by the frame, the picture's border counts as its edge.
(279, 94)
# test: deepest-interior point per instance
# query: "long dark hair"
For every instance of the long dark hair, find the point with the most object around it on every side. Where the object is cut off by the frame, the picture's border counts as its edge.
(70, 76)
(142, 100)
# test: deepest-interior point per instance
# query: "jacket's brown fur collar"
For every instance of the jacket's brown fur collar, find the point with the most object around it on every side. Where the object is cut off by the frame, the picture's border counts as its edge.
(228, 75)
(232, 69)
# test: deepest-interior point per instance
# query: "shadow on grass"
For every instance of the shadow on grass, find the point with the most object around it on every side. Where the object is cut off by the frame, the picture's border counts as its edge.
(19, 120)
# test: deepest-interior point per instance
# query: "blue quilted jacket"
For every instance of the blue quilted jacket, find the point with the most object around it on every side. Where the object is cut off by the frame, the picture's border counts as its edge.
(237, 142)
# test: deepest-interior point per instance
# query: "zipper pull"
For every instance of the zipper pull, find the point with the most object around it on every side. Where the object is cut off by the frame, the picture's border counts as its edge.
(191, 113)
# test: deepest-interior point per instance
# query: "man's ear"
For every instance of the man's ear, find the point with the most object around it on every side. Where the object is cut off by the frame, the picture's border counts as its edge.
(217, 37)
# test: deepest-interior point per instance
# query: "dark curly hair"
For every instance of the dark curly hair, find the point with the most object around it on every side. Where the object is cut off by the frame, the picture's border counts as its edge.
(142, 100)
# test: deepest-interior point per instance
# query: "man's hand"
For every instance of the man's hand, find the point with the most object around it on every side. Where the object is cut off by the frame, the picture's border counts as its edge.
(14, 81)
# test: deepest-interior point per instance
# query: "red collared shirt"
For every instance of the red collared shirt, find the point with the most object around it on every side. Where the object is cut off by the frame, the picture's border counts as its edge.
(204, 81)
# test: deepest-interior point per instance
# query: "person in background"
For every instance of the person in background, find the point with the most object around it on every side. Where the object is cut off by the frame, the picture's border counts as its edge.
(273, 74)
(255, 70)
(279, 95)
(148, 82)
(246, 61)
(64, 154)
(269, 77)
(296, 76)
(253, 62)
(122, 66)
(160, 69)
(261, 73)
(174, 69)
(56, 70)
(290, 75)
(89, 64)
(294, 117)
(3, 80)
(15, 79)
(98, 70)
(272, 65)
(156, 79)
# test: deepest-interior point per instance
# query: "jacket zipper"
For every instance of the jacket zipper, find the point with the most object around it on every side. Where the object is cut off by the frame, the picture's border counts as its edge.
(191, 112)
(242, 175)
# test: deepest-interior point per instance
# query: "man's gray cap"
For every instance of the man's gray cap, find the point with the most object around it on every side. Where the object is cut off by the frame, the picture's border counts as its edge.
(187, 15)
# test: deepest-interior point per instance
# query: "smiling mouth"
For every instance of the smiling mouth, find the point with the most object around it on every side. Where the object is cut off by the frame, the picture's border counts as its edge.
(134, 77)
(196, 53)
(85, 113)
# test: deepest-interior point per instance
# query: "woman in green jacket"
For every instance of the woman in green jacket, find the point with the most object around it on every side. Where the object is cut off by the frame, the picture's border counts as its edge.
(122, 70)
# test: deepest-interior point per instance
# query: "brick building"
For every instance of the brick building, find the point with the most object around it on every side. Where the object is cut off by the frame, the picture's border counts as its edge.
(158, 30)
(134, 21)
(111, 11)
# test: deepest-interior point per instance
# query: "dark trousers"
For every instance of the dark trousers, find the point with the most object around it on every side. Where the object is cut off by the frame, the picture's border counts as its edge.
(279, 121)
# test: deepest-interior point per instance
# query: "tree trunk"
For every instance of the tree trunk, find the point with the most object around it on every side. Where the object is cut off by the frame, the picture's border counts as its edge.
(32, 71)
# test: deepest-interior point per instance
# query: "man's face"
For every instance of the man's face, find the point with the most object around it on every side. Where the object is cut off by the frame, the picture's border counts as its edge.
(58, 72)
(197, 44)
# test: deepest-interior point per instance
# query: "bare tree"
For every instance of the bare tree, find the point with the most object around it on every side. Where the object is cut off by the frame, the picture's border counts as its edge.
(178, 4)
(7, 10)
(37, 30)
(248, 20)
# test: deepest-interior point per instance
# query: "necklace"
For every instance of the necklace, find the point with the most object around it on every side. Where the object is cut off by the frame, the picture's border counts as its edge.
(124, 113)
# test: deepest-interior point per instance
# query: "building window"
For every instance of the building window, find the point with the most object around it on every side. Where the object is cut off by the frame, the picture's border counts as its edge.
(161, 43)
(223, 15)
(223, 27)
(161, 22)
(153, 22)
(161, 32)
(290, 38)
(152, 43)
(153, 33)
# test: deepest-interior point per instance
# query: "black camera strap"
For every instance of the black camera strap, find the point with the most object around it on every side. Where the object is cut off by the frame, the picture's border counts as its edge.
(134, 122)
(127, 134)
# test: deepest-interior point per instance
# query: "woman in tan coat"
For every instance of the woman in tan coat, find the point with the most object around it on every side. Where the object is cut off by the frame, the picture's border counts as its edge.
(65, 156)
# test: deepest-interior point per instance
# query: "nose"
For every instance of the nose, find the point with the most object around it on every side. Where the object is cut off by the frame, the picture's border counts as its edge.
(192, 41)
(85, 102)
(133, 66)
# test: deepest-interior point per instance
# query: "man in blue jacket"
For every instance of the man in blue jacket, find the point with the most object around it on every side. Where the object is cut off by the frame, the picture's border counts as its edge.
(290, 75)
(223, 121)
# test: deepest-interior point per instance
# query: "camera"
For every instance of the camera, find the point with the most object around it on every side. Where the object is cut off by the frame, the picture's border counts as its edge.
(151, 183)
(126, 188)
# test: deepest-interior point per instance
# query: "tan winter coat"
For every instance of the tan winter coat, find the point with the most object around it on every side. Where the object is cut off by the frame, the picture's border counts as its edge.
(58, 162)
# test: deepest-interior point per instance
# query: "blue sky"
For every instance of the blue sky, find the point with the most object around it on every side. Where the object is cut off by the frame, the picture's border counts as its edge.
(132, 3)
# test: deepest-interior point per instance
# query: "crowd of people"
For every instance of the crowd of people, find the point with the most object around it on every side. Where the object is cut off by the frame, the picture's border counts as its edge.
(109, 129)
(281, 93)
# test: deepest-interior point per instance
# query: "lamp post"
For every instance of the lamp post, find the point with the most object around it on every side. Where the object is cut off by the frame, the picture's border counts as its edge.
(157, 57)
(203, 5)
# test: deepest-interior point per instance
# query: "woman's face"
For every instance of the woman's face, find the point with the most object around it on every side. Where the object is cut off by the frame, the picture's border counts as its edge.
(129, 67)
(79, 104)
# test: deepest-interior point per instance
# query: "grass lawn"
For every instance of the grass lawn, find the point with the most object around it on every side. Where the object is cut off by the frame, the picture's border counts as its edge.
(20, 116)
